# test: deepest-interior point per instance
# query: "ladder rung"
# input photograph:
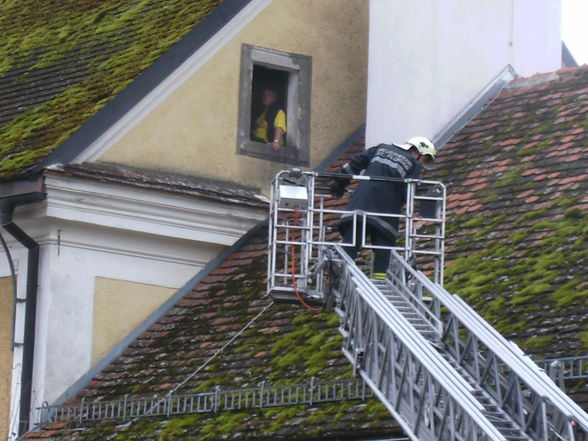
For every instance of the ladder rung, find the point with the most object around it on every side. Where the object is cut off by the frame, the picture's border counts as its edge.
(427, 253)
(428, 198)
(428, 219)
(292, 227)
(426, 236)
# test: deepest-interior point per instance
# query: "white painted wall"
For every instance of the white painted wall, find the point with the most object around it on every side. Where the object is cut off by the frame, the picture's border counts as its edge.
(429, 58)
(87, 230)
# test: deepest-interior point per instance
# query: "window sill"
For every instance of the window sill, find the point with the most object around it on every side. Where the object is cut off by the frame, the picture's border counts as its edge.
(288, 154)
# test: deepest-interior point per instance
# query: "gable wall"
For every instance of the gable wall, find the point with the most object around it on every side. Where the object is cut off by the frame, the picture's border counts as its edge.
(194, 131)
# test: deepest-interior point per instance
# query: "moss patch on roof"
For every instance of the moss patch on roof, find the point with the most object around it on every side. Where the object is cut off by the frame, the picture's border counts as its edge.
(63, 61)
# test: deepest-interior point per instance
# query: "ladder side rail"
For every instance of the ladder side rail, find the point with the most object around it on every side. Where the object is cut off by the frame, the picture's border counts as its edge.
(395, 391)
(528, 372)
(524, 402)
(408, 386)
(406, 332)
(497, 380)
(513, 401)
(574, 410)
(403, 328)
(362, 297)
(429, 308)
(511, 356)
(469, 317)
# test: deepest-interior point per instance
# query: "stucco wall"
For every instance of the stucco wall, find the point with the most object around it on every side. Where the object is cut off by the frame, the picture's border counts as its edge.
(430, 58)
(119, 307)
(194, 130)
(5, 352)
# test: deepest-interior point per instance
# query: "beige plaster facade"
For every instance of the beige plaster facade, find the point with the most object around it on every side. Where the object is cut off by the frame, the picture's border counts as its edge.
(194, 131)
(119, 307)
(5, 352)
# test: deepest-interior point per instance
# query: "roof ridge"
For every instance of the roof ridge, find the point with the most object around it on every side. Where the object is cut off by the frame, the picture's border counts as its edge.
(545, 77)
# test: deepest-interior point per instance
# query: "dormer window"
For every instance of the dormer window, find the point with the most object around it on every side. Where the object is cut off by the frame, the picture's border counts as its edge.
(274, 106)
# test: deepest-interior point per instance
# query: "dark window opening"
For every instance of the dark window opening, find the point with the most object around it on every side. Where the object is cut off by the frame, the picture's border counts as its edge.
(276, 82)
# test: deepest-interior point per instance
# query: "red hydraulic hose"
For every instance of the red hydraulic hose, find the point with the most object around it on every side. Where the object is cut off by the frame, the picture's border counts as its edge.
(293, 270)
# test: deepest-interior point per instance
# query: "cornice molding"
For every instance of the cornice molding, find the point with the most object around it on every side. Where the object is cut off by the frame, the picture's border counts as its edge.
(147, 211)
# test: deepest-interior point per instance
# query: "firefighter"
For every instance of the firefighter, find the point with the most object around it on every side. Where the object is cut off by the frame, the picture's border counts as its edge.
(385, 160)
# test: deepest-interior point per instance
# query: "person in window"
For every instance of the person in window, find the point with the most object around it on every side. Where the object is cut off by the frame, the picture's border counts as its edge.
(403, 161)
(269, 120)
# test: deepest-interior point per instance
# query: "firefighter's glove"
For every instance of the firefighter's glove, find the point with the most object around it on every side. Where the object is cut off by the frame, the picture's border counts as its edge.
(337, 188)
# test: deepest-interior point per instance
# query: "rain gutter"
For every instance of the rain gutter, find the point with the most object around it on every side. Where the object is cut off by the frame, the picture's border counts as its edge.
(13, 194)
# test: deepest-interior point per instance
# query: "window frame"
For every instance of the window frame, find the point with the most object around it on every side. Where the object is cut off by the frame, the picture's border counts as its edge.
(297, 147)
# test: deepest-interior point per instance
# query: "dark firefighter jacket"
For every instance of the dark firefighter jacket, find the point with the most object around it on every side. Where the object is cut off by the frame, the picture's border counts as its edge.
(383, 160)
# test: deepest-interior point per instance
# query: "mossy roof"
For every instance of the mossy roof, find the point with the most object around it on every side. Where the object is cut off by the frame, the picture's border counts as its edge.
(517, 228)
(517, 224)
(62, 62)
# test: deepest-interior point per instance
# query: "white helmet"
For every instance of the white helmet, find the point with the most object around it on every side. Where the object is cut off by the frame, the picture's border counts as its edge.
(423, 145)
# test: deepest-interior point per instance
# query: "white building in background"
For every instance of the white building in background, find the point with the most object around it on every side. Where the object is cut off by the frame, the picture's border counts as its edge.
(428, 59)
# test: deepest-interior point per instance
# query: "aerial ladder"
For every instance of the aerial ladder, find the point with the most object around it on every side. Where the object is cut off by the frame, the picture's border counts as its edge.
(439, 368)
